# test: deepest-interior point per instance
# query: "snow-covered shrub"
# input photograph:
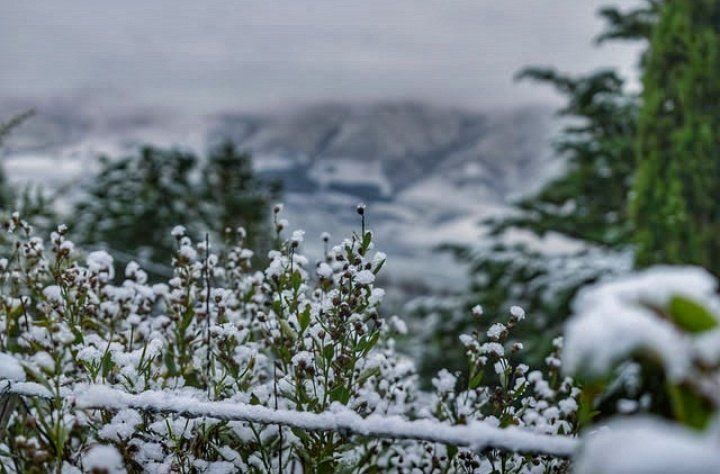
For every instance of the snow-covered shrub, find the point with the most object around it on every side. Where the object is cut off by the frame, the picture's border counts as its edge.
(542, 402)
(298, 336)
(651, 338)
(649, 343)
(502, 275)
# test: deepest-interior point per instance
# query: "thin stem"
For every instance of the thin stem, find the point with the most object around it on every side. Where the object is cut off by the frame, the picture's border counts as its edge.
(207, 312)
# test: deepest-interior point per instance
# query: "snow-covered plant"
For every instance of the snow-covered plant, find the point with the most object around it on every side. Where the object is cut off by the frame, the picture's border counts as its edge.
(649, 344)
(295, 338)
(499, 390)
(503, 274)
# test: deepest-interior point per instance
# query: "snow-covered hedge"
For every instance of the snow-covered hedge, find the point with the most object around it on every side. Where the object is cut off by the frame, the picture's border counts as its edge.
(109, 372)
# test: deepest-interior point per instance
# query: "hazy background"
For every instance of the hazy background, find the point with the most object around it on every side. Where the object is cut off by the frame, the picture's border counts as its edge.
(409, 106)
(210, 55)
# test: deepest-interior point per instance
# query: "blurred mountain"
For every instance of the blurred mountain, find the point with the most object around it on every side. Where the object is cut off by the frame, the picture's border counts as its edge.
(427, 173)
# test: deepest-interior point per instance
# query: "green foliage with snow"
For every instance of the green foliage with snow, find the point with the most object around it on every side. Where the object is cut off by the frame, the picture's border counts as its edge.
(675, 209)
(133, 202)
(297, 338)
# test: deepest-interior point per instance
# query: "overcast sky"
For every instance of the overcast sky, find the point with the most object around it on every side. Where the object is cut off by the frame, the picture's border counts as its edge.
(204, 56)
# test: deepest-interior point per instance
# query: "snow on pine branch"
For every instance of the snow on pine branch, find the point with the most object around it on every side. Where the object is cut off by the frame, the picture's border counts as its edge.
(477, 435)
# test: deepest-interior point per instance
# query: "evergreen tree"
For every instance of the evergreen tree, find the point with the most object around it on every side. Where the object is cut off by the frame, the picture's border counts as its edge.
(233, 197)
(675, 208)
(588, 202)
(134, 202)
(6, 193)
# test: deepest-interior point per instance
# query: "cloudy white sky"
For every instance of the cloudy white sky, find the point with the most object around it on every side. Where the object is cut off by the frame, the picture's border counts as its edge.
(204, 56)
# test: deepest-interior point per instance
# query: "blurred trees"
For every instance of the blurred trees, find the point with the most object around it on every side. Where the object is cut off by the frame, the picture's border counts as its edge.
(587, 204)
(6, 194)
(675, 208)
(134, 202)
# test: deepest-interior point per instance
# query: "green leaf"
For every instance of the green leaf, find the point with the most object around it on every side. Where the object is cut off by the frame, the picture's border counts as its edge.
(328, 352)
(586, 410)
(475, 380)
(186, 320)
(366, 343)
(366, 241)
(107, 364)
(367, 374)
(340, 394)
(326, 466)
(304, 319)
(302, 434)
(296, 280)
(170, 362)
(689, 408)
(691, 316)
(77, 333)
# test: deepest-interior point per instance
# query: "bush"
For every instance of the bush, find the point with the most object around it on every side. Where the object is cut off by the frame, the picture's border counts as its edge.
(298, 337)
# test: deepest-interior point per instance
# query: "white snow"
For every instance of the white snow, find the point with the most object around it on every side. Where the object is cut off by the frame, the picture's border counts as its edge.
(10, 368)
(122, 425)
(444, 382)
(324, 270)
(517, 312)
(611, 320)
(177, 231)
(101, 262)
(476, 435)
(644, 445)
(53, 293)
(298, 236)
(496, 330)
(365, 277)
(103, 458)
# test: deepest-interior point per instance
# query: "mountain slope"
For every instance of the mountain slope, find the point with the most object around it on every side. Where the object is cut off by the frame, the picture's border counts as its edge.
(428, 173)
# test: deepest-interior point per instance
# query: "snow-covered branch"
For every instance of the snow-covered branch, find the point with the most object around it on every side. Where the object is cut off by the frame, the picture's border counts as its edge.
(478, 435)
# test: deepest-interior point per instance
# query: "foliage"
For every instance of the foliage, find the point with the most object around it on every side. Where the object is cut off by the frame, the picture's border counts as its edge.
(296, 336)
(633, 24)
(6, 193)
(500, 274)
(675, 210)
(588, 201)
(586, 206)
(233, 197)
(133, 202)
(648, 344)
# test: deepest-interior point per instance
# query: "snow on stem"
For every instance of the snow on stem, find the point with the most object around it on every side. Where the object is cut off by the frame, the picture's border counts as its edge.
(477, 435)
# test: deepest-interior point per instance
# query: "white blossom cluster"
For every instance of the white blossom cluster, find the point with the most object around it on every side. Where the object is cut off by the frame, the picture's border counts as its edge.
(295, 336)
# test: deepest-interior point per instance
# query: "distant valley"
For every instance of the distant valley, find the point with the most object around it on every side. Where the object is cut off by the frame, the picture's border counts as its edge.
(428, 174)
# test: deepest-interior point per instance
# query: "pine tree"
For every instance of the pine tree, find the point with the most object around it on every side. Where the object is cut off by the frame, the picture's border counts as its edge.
(233, 196)
(134, 202)
(6, 193)
(588, 202)
(675, 208)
